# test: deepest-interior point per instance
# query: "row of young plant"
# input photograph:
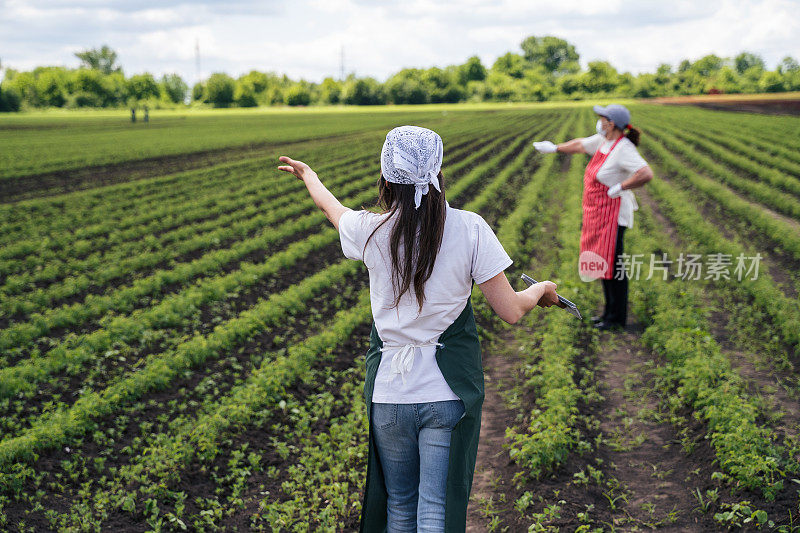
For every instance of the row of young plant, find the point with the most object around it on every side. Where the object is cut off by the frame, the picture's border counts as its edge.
(697, 372)
(81, 212)
(65, 252)
(777, 129)
(248, 404)
(99, 220)
(784, 311)
(86, 214)
(123, 329)
(125, 298)
(52, 279)
(757, 158)
(747, 161)
(556, 342)
(146, 487)
(104, 268)
(98, 367)
(768, 189)
(257, 176)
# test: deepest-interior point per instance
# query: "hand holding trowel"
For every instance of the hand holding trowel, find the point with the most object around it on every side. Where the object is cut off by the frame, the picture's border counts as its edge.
(562, 302)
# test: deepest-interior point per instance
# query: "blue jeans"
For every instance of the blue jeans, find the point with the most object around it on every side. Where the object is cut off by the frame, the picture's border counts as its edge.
(413, 444)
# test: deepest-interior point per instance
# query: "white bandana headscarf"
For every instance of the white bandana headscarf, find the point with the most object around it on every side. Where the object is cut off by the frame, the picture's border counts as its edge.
(412, 155)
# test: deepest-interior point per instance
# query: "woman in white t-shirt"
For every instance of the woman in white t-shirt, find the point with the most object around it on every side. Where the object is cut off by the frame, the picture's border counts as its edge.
(424, 382)
(616, 167)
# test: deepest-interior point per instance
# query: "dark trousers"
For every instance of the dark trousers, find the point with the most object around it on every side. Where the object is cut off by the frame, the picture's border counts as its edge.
(616, 290)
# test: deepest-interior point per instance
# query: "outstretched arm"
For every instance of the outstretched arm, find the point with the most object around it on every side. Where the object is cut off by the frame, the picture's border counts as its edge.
(322, 197)
(573, 146)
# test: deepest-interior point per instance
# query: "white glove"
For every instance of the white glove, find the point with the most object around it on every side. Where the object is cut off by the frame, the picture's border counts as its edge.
(546, 147)
(615, 191)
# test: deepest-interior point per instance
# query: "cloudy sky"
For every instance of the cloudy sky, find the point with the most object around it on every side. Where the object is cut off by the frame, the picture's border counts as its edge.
(304, 38)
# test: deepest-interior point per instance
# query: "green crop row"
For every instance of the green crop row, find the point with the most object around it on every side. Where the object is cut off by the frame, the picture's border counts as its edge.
(81, 212)
(779, 231)
(551, 433)
(24, 375)
(766, 193)
(59, 144)
(784, 311)
(782, 131)
(224, 420)
(246, 211)
(88, 214)
(756, 155)
(125, 298)
(699, 375)
(261, 186)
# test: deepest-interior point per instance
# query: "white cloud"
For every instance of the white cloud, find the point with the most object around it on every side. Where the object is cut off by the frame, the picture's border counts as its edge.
(303, 38)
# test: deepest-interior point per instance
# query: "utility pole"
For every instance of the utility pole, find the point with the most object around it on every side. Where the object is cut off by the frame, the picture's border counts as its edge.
(197, 57)
(341, 64)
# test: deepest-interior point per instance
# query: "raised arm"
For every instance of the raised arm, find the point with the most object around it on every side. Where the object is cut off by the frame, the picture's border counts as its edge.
(323, 198)
(511, 305)
(574, 146)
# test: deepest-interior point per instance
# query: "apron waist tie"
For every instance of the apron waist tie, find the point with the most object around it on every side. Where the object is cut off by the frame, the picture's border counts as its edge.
(403, 359)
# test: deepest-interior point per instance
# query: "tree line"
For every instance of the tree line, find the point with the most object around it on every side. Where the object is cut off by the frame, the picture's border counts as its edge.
(545, 68)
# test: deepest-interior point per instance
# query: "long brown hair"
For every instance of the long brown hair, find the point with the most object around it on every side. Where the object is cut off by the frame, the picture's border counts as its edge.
(420, 230)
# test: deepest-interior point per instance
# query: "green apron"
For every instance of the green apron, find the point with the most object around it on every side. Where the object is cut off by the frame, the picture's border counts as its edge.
(459, 359)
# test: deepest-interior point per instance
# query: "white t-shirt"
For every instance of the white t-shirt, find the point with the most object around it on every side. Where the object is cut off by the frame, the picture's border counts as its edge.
(623, 162)
(469, 251)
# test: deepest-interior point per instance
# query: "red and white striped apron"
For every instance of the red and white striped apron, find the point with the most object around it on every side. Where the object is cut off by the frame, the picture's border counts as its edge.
(600, 214)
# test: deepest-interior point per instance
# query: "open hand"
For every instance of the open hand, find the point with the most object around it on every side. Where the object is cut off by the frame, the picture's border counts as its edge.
(298, 168)
(545, 147)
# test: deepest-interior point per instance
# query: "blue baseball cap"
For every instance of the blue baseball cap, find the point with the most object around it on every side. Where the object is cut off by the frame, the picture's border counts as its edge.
(618, 114)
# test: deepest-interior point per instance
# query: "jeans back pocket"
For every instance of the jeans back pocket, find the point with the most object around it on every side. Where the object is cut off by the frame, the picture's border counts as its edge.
(447, 413)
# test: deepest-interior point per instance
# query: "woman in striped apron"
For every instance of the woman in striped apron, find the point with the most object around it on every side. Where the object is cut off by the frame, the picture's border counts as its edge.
(615, 168)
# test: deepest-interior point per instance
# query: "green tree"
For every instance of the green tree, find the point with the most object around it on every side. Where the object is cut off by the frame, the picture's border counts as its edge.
(406, 87)
(173, 88)
(297, 94)
(102, 59)
(219, 89)
(554, 54)
(198, 92)
(24, 85)
(472, 70)
(142, 87)
(510, 64)
(330, 91)
(771, 82)
(788, 64)
(51, 87)
(245, 93)
(601, 77)
(10, 99)
(707, 65)
(747, 60)
(363, 91)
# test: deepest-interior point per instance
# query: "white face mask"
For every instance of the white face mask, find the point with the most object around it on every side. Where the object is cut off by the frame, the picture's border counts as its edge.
(599, 127)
